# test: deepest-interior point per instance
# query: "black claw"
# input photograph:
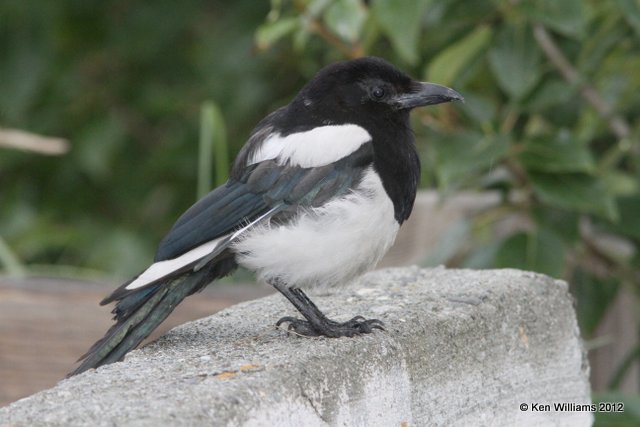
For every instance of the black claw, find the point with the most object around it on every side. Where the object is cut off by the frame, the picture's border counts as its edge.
(300, 327)
(356, 326)
(286, 319)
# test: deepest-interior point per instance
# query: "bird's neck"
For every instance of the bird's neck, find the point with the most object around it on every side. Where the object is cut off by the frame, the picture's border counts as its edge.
(396, 161)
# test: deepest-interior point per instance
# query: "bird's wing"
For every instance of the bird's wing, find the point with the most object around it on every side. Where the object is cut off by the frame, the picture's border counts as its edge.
(273, 188)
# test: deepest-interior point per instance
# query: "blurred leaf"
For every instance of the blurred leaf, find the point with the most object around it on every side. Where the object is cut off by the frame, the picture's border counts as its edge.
(541, 251)
(400, 21)
(300, 38)
(515, 61)
(538, 127)
(604, 36)
(462, 157)
(315, 7)
(593, 298)
(213, 138)
(9, 261)
(305, 29)
(270, 32)
(631, 12)
(481, 108)
(345, 18)
(562, 223)
(621, 184)
(630, 417)
(564, 16)
(629, 223)
(588, 125)
(220, 146)
(561, 153)
(447, 65)
(205, 148)
(579, 192)
(551, 92)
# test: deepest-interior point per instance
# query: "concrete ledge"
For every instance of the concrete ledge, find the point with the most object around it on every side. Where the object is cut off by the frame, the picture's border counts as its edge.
(461, 347)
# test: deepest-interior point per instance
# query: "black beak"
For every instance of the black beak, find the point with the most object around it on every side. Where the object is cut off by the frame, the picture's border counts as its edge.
(424, 93)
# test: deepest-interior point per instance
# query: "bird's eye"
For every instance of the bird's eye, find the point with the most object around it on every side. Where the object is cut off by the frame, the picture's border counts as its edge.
(378, 93)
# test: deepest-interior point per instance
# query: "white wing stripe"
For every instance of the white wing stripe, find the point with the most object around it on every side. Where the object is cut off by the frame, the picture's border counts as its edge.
(206, 252)
(160, 269)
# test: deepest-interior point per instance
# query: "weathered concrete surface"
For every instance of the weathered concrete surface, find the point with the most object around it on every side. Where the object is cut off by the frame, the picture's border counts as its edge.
(461, 348)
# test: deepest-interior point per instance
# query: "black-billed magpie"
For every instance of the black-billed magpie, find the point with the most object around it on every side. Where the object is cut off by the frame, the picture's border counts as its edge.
(315, 197)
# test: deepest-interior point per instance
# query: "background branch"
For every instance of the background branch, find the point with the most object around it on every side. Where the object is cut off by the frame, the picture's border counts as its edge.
(26, 141)
(616, 123)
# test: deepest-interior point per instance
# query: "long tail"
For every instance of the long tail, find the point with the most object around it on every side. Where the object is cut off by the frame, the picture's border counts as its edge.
(140, 311)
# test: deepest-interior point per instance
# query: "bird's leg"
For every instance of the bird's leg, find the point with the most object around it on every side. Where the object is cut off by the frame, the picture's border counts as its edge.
(317, 323)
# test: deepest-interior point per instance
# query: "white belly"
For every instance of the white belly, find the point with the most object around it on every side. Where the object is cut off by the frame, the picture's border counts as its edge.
(328, 245)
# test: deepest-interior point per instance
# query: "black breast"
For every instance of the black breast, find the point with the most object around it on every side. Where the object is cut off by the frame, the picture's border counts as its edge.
(396, 161)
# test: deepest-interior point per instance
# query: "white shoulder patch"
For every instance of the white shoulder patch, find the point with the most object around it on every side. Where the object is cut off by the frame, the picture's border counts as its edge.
(317, 147)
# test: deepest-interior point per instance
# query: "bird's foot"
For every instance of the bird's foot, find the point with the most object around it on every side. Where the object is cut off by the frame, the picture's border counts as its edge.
(329, 328)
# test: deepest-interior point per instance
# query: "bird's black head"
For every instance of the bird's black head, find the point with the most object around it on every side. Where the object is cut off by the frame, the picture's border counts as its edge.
(369, 87)
(374, 95)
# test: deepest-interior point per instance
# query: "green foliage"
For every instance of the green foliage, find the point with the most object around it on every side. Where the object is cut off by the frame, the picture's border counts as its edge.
(213, 138)
(542, 251)
(593, 294)
(458, 158)
(449, 64)
(567, 17)
(515, 60)
(345, 18)
(9, 261)
(576, 192)
(400, 21)
(557, 155)
(124, 83)
(551, 121)
(631, 12)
